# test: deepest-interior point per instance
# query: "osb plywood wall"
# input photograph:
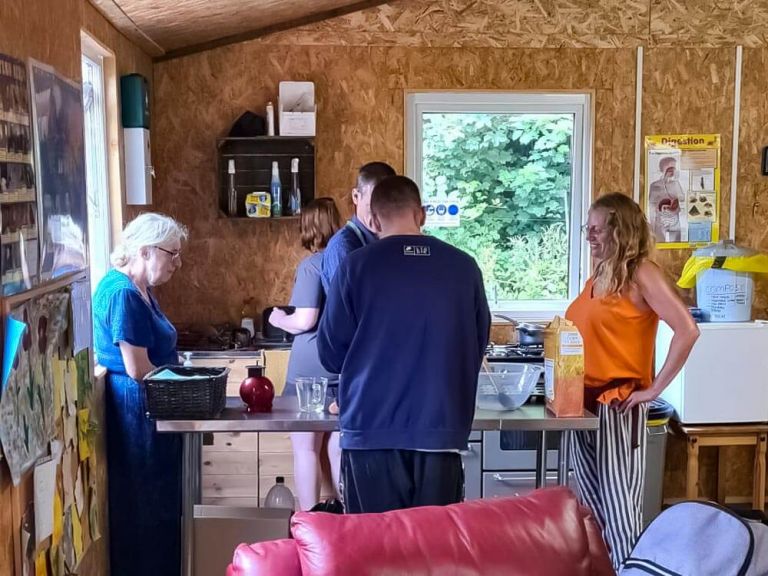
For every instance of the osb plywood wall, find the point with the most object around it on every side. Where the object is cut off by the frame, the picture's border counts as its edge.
(543, 23)
(363, 62)
(360, 92)
(49, 31)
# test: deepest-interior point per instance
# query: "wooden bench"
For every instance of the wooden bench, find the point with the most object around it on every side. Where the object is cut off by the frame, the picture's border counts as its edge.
(719, 436)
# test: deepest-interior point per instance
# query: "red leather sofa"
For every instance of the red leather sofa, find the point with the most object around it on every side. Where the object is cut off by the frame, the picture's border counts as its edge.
(544, 534)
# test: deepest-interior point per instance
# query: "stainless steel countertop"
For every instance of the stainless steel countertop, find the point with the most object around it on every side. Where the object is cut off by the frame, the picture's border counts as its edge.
(285, 417)
(224, 354)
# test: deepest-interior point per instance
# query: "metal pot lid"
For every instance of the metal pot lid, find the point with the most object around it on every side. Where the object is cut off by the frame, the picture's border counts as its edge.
(532, 326)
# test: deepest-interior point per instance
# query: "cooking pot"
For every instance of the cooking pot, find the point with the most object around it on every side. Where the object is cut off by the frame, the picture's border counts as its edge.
(241, 337)
(269, 332)
(530, 334)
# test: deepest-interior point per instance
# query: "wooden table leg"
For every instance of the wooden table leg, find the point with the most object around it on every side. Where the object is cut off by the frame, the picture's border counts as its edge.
(692, 474)
(722, 474)
(758, 490)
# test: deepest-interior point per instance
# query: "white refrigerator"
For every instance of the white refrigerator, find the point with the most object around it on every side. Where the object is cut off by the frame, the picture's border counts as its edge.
(725, 379)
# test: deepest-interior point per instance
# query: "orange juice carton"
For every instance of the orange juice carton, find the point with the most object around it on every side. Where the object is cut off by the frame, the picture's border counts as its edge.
(564, 368)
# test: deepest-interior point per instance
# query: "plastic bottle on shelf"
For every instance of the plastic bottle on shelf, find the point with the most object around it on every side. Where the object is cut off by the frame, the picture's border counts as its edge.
(231, 190)
(276, 192)
(270, 119)
(280, 496)
(294, 201)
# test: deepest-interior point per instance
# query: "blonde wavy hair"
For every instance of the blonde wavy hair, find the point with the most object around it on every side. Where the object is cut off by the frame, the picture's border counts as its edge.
(631, 243)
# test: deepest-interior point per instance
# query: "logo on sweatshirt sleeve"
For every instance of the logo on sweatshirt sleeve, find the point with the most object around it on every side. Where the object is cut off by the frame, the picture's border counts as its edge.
(411, 250)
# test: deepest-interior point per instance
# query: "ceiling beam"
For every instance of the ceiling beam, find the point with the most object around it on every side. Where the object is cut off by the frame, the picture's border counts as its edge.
(271, 29)
(111, 10)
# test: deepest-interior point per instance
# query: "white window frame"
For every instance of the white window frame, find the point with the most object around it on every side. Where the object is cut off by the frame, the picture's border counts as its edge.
(579, 104)
(99, 237)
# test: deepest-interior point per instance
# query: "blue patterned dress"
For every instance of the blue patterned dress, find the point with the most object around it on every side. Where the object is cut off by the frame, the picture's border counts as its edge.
(144, 467)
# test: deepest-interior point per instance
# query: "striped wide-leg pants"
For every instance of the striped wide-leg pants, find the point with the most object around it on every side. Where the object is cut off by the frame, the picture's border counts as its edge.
(610, 472)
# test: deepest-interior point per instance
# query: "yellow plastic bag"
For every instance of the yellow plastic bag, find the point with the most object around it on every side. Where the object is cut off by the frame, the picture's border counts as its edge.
(756, 263)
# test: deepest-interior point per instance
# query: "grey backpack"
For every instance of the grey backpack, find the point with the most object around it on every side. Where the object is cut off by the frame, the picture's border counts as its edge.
(699, 539)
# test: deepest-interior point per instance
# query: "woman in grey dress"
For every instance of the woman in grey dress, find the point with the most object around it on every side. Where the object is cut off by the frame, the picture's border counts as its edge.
(319, 221)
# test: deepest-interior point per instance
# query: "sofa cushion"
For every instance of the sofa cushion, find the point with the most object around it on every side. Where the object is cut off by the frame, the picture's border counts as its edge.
(271, 557)
(546, 533)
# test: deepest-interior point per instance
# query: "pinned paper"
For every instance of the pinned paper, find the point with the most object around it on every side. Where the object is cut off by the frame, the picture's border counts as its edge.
(93, 515)
(77, 536)
(45, 488)
(79, 495)
(70, 380)
(81, 315)
(14, 330)
(57, 562)
(59, 394)
(41, 564)
(66, 472)
(70, 429)
(58, 520)
(83, 433)
(57, 449)
(67, 543)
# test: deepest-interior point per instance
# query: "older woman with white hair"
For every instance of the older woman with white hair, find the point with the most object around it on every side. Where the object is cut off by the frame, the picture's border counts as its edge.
(131, 337)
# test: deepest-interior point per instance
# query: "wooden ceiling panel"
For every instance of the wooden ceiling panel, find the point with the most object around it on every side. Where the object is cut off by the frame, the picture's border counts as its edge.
(167, 28)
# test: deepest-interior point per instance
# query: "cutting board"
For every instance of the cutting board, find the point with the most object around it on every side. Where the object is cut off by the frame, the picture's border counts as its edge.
(276, 367)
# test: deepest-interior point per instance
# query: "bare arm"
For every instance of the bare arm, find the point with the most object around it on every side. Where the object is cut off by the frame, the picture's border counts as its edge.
(302, 320)
(136, 360)
(660, 296)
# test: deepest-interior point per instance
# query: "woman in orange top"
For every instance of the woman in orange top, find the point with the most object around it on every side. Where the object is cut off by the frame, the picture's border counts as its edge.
(617, 314)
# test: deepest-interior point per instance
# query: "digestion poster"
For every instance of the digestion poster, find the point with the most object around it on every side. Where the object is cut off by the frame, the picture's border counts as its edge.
(682, 189)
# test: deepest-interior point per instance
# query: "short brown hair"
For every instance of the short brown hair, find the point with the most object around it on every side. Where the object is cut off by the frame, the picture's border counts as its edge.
(320, 220)
(394, 195)
(372, 173)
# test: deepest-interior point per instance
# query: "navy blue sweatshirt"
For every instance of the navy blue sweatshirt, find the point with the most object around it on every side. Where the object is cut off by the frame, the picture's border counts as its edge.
(406, 324)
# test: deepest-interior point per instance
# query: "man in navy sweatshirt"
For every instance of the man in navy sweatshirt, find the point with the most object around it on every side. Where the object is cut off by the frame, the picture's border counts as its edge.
(406, 324)
(356, 233)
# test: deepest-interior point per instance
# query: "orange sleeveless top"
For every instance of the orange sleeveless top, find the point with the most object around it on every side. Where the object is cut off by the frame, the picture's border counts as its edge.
(618, 339)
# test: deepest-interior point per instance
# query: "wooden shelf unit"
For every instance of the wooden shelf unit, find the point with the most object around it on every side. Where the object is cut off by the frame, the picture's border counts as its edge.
(253, 169)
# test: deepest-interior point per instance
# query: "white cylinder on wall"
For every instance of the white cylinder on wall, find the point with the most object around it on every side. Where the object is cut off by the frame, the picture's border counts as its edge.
(138, 166)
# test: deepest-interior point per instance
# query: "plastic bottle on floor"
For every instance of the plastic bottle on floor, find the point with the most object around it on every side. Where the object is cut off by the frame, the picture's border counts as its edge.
(280, 496)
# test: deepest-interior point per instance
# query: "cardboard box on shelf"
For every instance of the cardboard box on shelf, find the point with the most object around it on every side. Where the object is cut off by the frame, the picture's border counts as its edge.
(296, 106)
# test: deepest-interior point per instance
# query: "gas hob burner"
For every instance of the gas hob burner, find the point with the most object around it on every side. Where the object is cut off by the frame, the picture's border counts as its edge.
(514, 353)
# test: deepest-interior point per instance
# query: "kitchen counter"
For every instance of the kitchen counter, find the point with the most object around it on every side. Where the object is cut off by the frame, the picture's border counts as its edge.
(231, 353)
(285, 416)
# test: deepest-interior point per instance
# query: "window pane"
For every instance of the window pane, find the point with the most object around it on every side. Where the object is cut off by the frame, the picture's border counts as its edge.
(96, 169)
(511, 176)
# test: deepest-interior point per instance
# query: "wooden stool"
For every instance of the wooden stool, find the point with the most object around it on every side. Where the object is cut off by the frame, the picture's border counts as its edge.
(719, 436)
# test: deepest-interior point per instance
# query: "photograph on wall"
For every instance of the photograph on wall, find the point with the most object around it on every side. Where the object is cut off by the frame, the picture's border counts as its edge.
(682, 193)
(60, 142)
(18, 195)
